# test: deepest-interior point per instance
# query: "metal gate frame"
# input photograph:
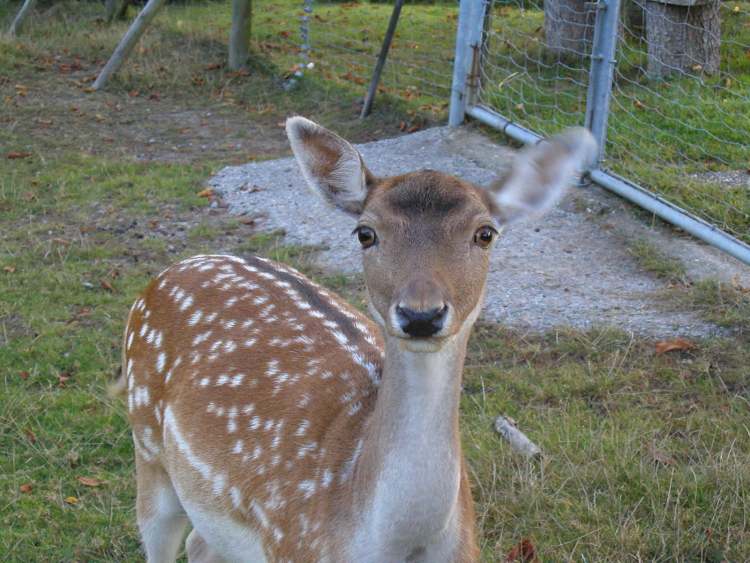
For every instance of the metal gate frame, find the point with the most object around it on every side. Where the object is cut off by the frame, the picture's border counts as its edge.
(469, 48)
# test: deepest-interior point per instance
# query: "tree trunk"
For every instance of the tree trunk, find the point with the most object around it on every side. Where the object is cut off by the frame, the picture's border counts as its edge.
(114, 10)
(633, 18)
(682, 38)
(569, 27)
(240, 34)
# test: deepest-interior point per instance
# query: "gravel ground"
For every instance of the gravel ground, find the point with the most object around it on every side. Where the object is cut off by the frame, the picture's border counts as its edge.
(570, 268)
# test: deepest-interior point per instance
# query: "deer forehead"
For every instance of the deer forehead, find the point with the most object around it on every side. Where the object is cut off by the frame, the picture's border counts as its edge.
(427, 196)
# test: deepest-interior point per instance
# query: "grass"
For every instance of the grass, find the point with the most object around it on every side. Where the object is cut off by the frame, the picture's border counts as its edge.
(647, 456)
(724, 304)
(651, 259)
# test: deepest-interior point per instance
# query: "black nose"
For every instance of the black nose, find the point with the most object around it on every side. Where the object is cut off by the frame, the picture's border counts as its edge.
(421, 324)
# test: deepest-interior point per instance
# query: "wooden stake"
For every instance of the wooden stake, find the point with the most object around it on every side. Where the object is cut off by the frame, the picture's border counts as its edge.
(15, 27)
(128, 42)
(370, 98)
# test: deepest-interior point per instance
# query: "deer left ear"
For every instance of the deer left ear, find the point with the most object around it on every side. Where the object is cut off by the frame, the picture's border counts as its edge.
(332, 166)
(540, 175)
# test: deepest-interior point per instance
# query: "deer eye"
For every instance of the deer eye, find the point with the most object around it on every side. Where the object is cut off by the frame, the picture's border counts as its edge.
(366, 236)
(483, 236)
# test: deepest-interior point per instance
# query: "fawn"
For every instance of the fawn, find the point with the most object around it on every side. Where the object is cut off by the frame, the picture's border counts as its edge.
(283, 424)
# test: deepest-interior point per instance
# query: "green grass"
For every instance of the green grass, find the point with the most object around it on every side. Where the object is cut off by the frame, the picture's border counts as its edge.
(724, 304)
(646, 456)
(651, 259)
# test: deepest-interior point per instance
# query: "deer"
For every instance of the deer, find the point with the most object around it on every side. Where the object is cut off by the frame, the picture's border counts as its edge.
(285, 425)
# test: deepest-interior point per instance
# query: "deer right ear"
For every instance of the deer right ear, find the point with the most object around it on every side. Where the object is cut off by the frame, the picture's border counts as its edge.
(540, 175)
(332, 167)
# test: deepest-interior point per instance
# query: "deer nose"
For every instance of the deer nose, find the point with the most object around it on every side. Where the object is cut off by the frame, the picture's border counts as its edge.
(421, 324)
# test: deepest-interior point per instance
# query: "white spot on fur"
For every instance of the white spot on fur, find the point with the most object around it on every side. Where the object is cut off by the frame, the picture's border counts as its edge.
(302, 428)
(202, 337)
(259, 514)
(236, 497)
(307, 487)
(195, 318)
(219, 483)
(161, 360)
(186, 303)
(326, 479)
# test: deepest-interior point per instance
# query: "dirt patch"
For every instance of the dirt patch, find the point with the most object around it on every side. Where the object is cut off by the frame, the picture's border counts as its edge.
(51, 106)
(55, 108)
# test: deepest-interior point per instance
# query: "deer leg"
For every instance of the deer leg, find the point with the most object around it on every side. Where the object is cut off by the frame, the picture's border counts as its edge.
(161, 518)
(198, 550)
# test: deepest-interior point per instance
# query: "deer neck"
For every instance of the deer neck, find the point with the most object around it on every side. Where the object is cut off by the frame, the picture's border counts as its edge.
(410, 465)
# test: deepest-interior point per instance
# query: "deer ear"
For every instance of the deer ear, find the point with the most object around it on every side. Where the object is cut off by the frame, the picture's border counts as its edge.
(332, 167)
(540, 175)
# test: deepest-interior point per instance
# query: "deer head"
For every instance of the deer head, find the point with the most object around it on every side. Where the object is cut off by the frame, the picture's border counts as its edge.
(427, 236)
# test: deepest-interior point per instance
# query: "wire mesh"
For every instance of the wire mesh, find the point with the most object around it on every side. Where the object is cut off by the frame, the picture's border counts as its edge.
(680, 119)
(527, 79)
(679, 116)
(345, 39)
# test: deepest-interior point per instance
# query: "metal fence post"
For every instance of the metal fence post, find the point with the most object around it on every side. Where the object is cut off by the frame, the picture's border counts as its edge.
(468, 38)
(602, 70)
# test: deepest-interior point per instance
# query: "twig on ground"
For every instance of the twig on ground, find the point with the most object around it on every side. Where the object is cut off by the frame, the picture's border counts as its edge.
(506, 427)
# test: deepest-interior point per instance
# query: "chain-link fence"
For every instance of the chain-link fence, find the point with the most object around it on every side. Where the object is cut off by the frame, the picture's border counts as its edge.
(682, 127)
(665, 85)
(344, 39)
(676, 128)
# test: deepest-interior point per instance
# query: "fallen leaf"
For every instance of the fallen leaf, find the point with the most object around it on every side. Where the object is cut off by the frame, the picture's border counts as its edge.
(62, 378)
(659, 456)
(23, 375)
(30, 436)
(78, 315)
(213, 66)
(9, 269)
(155, 96)
(89, 481)
(671, 345)
(26, 488)
(106, 285)
(208, 192)
(134, 93)
(250, 189)
(71, 500)
(61, 241)
(638, 104)
(18, 154)
(523, 551)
